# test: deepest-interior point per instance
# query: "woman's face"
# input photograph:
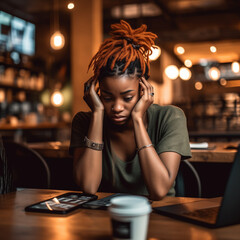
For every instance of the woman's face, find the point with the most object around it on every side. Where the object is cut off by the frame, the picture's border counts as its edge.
(119, 96)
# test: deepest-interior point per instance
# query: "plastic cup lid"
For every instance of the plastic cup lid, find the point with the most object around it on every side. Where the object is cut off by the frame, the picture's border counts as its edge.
(130, 205)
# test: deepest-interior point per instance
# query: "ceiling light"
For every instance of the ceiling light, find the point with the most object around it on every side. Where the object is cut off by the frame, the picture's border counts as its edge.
(188, 63)
(185, 74)
(57, 99)
(213, 49)
(214, 73)
(156, 52)
(57, 40)
(70, 5)
(235, 67)
(180, 50)
(171, 71)
(223, 81)
(198, 86)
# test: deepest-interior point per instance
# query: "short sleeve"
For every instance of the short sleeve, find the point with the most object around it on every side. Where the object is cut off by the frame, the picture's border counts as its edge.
(80, 125)
(173, 133)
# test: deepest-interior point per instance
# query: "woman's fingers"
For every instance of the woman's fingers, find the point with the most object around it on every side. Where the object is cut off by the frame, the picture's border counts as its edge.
(148, 90)
(146, 98)
(88, 84)
(91, 95)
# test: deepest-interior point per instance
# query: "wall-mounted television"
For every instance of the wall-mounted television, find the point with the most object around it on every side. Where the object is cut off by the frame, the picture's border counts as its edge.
(16, 34)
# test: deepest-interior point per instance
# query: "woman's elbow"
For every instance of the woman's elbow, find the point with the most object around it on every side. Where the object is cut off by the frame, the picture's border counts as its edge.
(89, 190)
(158, 194)
(87, 186)
(90, 187)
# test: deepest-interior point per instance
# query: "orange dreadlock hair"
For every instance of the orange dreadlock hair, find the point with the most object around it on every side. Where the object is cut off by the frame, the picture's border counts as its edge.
(125, 46)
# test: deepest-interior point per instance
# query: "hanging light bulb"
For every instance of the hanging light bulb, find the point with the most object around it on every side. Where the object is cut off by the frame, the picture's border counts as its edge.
(70, 5)
(156, 52)
(57, 99)
(223, 81)
(235, 67)
(198, 86)
(185, 74)
(179, 50)
(171, 71)
(57, 40)
(188, 63)
(213, 49)
(214, 73)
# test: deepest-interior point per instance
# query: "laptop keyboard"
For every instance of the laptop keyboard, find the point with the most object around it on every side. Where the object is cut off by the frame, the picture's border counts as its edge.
(209, 214)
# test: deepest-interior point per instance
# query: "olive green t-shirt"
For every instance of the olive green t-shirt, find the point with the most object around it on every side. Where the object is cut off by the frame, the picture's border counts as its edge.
(167, 130)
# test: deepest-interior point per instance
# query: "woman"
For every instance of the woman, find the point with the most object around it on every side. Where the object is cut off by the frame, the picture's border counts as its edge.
(127, 143)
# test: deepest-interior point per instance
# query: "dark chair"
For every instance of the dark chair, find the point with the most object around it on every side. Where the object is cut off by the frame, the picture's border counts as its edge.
(5, 173)
(28, 168)
(188, 183)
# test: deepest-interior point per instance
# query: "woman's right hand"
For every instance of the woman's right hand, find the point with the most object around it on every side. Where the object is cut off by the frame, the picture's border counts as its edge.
(91, 97)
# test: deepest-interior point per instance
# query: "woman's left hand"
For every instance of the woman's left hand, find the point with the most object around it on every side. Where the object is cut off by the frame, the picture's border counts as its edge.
(146, 99)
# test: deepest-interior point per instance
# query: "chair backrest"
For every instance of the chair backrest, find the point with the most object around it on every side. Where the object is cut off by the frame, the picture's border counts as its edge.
(29, 169)
(188, 183)
(5, 173)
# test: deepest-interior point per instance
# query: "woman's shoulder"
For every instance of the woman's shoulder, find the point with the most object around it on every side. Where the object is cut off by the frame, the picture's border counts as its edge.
(166, 110)
(82, 116)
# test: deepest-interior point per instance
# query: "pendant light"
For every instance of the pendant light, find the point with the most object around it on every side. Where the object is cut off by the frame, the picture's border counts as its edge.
(57, 98)
(156, 52)
(70, 5)
(57, 40)
(235, 66)
(214, 73)
(172, 72)
(185, 73)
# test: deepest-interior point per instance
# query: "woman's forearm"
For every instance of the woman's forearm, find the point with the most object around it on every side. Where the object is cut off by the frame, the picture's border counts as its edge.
(158, 177)
(88, 164)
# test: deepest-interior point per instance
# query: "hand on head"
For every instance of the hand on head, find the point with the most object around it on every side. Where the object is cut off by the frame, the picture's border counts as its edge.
(91, 95)
(145, 100)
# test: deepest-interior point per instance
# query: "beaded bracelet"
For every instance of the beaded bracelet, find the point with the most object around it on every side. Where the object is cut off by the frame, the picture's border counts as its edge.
(93, 145)
(145, 146)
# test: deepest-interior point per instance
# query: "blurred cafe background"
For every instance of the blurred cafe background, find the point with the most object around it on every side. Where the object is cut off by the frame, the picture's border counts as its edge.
(46, 45)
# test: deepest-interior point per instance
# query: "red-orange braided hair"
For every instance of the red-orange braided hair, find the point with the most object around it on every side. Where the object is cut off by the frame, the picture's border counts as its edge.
(126, 45)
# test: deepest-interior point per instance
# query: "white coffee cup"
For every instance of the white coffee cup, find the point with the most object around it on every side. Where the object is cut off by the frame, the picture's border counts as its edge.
(129, 215)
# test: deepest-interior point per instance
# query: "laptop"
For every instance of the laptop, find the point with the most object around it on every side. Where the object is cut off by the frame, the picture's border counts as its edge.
(211, 212)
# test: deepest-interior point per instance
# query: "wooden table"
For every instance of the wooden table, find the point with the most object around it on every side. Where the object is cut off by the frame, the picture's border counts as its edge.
(51, 149)
(216, 153)
(31, 126)
(45, 131)
(86, 224)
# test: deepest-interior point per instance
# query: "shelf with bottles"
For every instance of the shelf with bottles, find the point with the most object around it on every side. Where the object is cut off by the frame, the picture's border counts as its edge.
(22, 79)
(24, 74)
